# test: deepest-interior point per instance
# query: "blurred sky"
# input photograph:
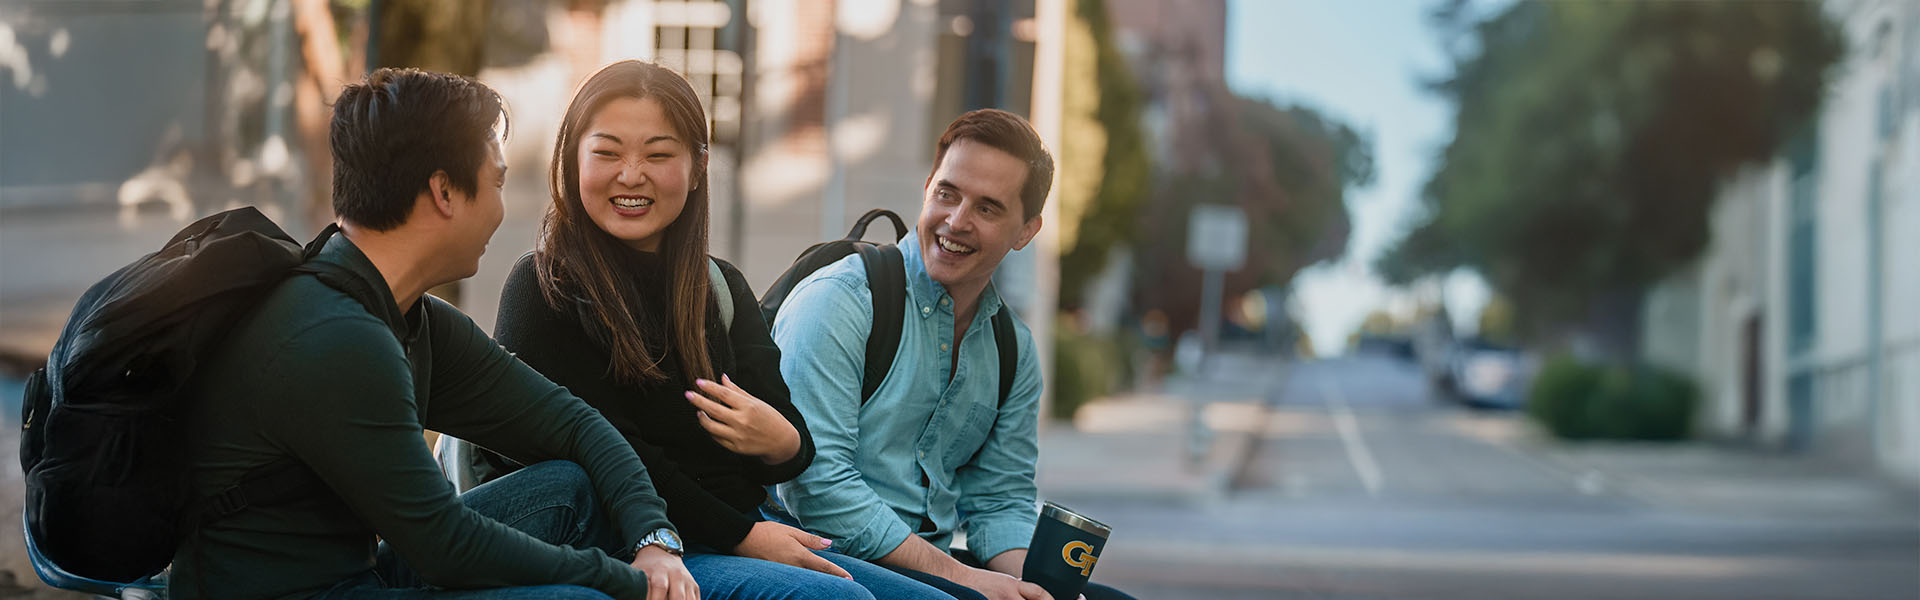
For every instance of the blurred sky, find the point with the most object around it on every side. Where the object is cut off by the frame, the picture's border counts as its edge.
(1362, 63)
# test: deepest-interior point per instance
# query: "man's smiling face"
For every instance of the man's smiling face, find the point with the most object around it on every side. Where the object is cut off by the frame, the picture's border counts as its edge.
(972, 216)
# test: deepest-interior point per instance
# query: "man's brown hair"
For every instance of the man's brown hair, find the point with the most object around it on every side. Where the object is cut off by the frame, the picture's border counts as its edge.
(1010, 134)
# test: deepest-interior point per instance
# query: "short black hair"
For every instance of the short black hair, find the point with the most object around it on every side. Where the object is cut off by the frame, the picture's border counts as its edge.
(394, 129)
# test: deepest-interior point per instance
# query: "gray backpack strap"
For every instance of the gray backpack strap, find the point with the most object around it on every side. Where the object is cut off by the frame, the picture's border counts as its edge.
(722, 294)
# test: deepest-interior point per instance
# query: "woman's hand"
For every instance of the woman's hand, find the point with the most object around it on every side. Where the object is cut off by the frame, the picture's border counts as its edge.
(743, 423)
(789, 546)
(667, 577)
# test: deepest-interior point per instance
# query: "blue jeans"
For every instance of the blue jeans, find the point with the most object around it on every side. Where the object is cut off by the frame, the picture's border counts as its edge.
(551, 501)
(883, 582)
(1093, 591)
(729, 577)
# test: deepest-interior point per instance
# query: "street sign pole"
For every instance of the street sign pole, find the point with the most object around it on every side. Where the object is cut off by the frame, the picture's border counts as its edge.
(1216, 243)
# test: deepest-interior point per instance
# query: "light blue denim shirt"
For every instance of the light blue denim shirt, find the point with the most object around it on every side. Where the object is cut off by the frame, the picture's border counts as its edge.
(928, 444)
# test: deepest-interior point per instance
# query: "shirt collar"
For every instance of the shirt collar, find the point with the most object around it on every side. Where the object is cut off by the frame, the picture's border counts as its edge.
(927, 293)
(342, 253)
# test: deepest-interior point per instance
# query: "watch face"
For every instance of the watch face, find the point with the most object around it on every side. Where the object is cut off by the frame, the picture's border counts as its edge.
(671, 539)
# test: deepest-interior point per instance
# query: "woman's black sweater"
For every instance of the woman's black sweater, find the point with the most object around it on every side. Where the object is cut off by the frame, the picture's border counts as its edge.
(712, 493)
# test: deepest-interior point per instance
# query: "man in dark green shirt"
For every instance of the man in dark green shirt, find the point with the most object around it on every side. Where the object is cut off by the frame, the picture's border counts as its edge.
(315, 378)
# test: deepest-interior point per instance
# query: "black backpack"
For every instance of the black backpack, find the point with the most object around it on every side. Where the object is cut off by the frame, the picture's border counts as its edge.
(887, 279)
(101, 435)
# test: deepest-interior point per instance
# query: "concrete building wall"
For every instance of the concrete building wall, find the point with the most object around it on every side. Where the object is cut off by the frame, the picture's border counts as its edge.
(95, 59)
(1862, 408)
(838, 125)
(1856, 371)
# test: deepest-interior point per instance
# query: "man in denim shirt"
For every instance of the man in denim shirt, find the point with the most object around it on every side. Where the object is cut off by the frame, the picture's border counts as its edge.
(934, 448)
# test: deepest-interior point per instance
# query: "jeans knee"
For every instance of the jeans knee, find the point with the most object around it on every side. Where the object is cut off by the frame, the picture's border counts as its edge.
(834, 588)
(563, 479)
(572, 592)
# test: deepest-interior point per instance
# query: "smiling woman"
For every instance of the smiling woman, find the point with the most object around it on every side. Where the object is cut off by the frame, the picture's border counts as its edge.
(634, 172)
(629, 168)
(617, 303)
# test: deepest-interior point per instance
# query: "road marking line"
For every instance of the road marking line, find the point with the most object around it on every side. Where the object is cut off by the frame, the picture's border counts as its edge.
(1356, 446)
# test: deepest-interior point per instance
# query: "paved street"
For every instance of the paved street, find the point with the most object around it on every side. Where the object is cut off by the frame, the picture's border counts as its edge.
(1362, 487)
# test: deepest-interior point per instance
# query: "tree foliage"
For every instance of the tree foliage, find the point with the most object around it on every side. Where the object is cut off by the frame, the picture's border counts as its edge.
(1103, 211)
(1287, 167)
(1589, 138)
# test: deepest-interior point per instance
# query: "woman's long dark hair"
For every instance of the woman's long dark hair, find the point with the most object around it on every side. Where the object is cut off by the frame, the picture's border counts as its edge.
(576, 259)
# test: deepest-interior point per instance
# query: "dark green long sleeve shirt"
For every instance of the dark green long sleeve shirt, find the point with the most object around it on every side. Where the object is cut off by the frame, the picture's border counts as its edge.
(313, 376)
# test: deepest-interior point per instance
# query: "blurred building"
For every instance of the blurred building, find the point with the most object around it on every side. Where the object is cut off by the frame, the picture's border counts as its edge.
(1178, 51)
(1798, 321)
(846, 100)
(123, 120)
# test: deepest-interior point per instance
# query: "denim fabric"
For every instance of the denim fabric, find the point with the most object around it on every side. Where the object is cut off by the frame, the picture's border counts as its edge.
(1093, 591)
(729, 577)
(933, 447)
(551, 501)
(882, 582)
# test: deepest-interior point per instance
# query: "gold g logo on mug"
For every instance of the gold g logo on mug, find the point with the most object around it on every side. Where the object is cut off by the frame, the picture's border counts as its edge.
(1083, 559)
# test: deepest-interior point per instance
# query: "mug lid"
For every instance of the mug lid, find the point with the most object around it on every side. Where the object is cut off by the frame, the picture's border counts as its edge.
(1074, 519)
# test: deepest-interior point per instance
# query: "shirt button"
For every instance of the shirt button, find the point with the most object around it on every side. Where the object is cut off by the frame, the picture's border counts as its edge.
(923, 454)
(926, 310)
(943, 301)
(943, 347)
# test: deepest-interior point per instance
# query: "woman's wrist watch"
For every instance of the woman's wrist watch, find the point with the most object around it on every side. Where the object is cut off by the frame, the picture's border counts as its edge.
(663, 537)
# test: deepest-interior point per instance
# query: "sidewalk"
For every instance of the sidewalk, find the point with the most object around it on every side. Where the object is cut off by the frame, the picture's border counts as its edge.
(1731, 481)
(1706, 477)
(1137, 448)
(1142, 446)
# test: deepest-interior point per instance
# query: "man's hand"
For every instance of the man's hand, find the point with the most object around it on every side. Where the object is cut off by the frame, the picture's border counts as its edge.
(742, 423)
(1000, 586)
(789, 546)
(667, 577)
(1012, 562)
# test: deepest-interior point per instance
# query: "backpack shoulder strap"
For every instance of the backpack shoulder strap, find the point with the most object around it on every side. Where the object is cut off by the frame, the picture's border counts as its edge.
(887, 279)
(1008, 342)
(722, 294)
(281, 482)
(286, 480)
(337, 277)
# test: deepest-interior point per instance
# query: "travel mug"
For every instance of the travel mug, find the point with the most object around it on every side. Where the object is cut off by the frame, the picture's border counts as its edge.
(1065, 546)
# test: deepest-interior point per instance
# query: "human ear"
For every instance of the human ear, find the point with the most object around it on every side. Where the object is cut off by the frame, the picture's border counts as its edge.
(1027, 231)
(440, 187)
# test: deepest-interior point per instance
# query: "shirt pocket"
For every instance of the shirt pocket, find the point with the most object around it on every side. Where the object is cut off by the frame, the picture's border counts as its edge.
(971, 434)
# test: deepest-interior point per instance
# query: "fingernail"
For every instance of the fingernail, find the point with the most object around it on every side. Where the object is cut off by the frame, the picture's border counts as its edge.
(689, 395)
(701, 382)
(826, 542)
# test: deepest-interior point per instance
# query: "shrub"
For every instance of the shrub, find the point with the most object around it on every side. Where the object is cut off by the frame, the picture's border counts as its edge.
(1085, 367)
(1642, 402)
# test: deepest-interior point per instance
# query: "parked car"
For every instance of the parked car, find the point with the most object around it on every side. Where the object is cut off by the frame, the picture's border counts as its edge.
(1489, 375)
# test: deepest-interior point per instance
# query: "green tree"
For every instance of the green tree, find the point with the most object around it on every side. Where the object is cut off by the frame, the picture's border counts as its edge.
(1589, 138)
(1288, 168)
(1100, 202)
